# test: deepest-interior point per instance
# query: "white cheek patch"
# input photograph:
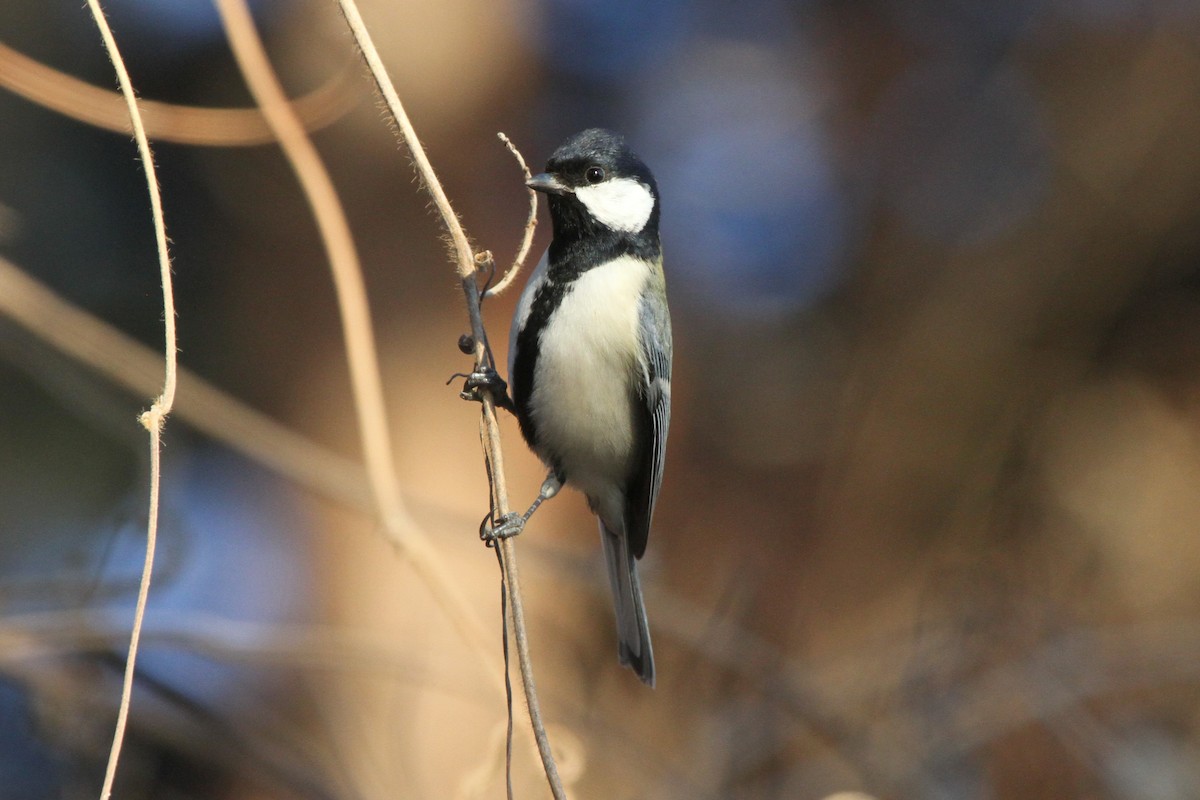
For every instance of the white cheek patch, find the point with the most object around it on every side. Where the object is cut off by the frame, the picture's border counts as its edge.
(622, 204)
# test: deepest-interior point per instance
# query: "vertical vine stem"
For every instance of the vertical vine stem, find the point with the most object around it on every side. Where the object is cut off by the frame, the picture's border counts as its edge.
(467, 266)
(506, 548)
(153, 419)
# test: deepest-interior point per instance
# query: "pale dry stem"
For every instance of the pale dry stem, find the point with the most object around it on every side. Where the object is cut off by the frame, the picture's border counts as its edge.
(361, 353)
(506, 548)
(154, 418)
(467, 266)
(194, 125)
(530, 224)
(463, 255)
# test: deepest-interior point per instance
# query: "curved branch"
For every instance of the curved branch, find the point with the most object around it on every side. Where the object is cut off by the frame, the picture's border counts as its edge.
(374, 431)
(168, 122)
(530, 224)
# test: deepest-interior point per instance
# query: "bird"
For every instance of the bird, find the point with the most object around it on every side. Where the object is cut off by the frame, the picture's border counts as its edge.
(590, 358)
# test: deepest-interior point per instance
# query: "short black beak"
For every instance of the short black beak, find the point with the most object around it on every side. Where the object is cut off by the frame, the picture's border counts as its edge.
(545, 182)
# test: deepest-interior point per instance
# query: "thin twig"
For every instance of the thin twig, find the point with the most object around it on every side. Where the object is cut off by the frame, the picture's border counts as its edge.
(467, 266)
(512, 579)
(154, 418)
(508, 731)
(507, 553)
(361, 353)
(530, 224)
(198, 125)
(464, 257)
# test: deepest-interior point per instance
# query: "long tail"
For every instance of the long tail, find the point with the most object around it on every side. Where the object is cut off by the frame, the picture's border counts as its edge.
(633, 631)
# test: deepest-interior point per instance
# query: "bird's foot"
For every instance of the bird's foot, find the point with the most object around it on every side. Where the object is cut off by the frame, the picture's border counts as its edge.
(485, 378)
(506, 527)
(513, 523)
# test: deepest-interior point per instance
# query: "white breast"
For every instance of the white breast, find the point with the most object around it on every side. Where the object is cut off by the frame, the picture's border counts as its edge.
(587, 360)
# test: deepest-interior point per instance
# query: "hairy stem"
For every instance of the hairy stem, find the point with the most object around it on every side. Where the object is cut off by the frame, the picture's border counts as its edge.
(153, 419)
(467, 266)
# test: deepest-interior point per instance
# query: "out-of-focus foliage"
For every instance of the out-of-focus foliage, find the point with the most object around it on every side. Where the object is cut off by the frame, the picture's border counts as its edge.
(931, 519)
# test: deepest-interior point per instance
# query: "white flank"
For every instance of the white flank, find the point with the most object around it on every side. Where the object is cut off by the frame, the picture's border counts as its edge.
(588, 358)
(622, 204)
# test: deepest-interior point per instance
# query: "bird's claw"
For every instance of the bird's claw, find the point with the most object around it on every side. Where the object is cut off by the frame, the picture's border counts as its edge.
(482, 378)
(486, 378)
(507, 526)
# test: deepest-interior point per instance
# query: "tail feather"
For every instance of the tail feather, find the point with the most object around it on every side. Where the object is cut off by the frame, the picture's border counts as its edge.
(633, 630)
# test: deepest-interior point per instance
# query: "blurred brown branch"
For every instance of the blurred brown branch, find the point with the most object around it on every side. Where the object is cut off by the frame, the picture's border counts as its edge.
(133, 366)
(375, 433)
(168, 122)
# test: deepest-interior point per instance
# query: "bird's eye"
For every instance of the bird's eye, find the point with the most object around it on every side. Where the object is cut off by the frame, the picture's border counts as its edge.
(594, 174)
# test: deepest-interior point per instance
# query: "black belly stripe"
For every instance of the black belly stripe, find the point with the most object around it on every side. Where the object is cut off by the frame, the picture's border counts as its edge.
(545, 301)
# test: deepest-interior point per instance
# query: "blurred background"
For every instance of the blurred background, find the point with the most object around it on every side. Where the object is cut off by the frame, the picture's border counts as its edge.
(931, 520)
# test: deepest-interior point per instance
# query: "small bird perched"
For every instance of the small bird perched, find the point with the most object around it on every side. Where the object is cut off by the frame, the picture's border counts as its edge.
(590, 357)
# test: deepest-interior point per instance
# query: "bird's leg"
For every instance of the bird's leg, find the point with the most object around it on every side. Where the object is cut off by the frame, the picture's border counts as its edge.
(550, 487)
(513, 523)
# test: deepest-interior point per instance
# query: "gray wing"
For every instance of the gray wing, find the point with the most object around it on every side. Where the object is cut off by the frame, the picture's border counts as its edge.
(524, 306)
(653, 420)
